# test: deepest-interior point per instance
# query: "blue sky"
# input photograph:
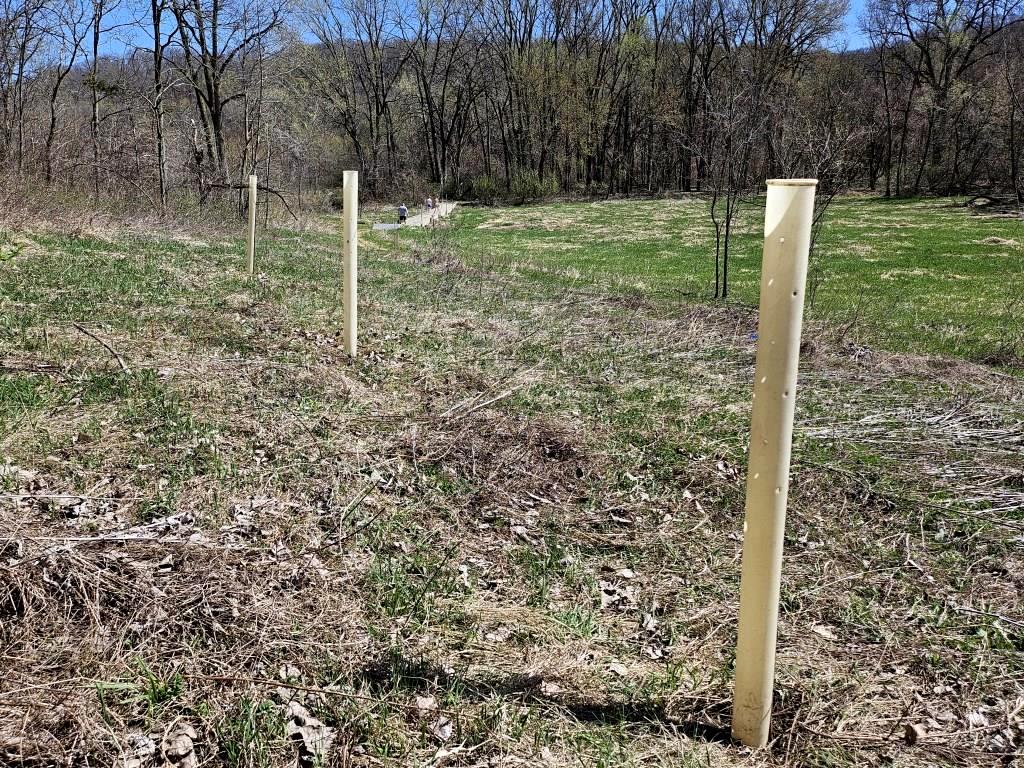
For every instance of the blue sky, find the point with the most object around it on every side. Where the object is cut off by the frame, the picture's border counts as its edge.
(854, 38)
(851, 37)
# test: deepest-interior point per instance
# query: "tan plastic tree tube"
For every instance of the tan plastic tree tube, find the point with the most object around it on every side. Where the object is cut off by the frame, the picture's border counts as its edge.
(789, 213)
(350, 256)
(250, 243)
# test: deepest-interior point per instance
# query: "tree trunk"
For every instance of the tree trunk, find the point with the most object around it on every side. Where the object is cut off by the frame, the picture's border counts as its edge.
(94, 117)
(156, 9)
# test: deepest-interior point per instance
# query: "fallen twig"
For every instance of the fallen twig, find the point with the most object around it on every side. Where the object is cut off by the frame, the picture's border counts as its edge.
(105, 345)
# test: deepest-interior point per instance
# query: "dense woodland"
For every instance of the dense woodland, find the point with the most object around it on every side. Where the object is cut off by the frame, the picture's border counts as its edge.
(172, 102)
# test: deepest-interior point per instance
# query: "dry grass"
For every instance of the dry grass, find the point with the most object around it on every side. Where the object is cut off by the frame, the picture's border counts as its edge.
(508, 534)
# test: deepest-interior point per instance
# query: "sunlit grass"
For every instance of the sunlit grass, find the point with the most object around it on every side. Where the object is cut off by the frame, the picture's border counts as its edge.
(926, 276)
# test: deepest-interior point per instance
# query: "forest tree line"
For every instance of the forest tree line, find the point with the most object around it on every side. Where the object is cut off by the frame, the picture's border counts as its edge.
(172, 101)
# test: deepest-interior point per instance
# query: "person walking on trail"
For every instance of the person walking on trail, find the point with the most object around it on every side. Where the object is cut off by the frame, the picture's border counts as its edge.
(429, 205)
(403, 213)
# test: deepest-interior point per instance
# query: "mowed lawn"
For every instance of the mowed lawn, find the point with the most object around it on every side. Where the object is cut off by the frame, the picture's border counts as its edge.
(926, 276)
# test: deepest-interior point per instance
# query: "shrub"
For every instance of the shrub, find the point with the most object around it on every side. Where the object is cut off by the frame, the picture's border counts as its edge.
(526, 185)
(485, 189)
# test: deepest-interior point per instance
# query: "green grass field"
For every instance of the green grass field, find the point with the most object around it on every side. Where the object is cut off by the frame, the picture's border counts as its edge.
(925, 276)
(509, 532)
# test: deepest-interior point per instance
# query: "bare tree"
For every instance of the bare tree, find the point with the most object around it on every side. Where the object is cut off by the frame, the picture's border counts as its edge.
(99, 90)
(23, 38)
(67, 27)
(443, 53)
(764, 44)
(362, 37)
(212, 37)
(162, 28)
(1013, 76)
(940, 42)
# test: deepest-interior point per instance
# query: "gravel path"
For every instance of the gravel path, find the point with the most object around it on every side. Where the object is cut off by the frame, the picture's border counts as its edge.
(440, 211)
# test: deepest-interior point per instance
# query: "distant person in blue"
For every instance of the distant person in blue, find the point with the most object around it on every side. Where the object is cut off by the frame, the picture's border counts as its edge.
(403, 213)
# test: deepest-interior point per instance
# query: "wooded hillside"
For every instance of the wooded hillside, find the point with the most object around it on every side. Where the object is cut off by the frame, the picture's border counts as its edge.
(172, 101)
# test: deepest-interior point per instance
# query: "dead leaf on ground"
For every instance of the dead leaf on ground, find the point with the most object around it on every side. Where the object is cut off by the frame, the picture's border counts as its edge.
(312, 737)
(821, 629)
(442, 729)
(176, 747)
(913, 733)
